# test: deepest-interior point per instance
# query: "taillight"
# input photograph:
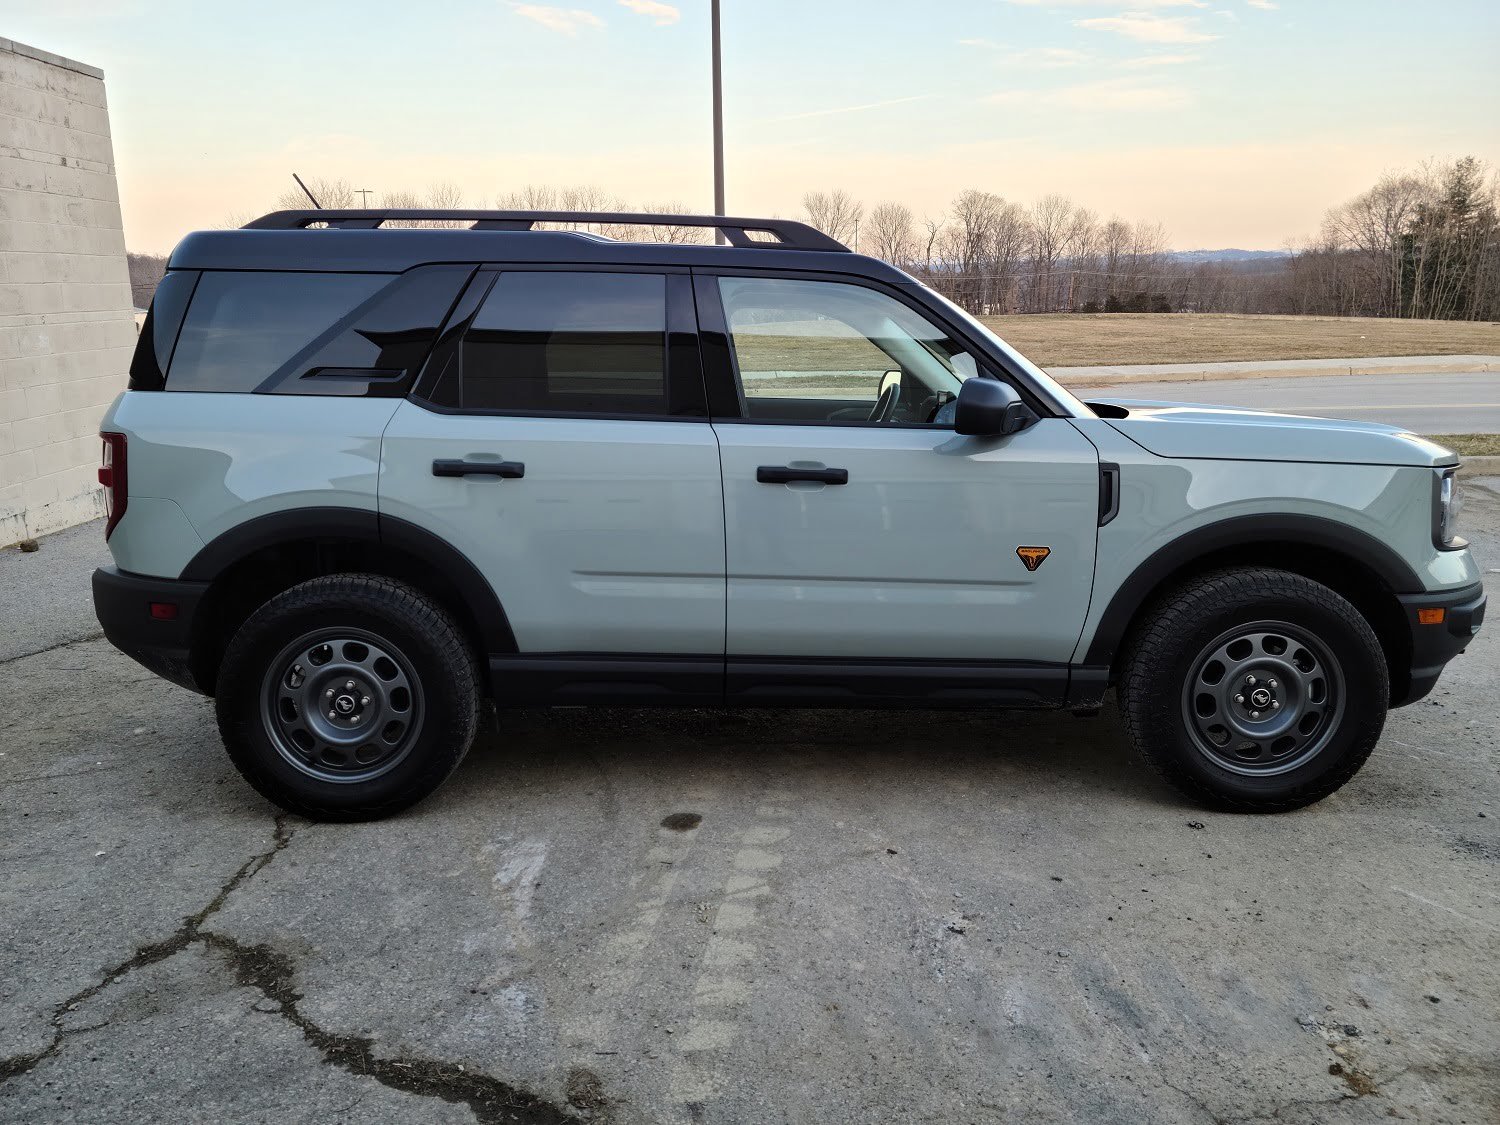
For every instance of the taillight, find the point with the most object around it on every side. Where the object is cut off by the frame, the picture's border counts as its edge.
(112, 477)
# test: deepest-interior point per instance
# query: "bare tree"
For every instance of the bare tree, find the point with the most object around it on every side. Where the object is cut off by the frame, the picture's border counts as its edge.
(891, 234)
(836, 213)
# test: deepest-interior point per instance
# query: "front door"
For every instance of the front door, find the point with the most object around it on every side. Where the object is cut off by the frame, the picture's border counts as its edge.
(860, 528)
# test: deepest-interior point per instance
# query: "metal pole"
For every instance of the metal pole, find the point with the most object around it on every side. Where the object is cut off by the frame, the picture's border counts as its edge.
(718, 122)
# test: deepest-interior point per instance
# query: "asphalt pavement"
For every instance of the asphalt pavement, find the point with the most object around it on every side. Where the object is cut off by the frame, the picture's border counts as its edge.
(1432, 403)
(710, 917)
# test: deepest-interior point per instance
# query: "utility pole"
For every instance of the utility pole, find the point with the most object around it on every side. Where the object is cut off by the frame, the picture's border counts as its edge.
(856, 236)
(364, 194)
(718, 110)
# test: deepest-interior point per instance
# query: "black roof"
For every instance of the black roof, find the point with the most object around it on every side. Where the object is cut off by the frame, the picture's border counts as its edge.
(355, 241)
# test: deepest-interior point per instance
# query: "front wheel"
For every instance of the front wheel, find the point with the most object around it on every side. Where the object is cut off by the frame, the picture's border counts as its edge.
(348, 697)
(1254, 689)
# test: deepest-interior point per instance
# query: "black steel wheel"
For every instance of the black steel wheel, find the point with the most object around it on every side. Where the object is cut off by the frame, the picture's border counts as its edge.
(342, 705)
(1254, 689)
(1263, 698)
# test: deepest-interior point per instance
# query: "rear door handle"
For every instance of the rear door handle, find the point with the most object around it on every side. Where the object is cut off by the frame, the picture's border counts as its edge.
(511, 470)
(783, 474)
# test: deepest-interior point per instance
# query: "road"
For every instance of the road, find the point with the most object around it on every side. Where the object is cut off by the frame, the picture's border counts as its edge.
(916, 917)
(1453, 403)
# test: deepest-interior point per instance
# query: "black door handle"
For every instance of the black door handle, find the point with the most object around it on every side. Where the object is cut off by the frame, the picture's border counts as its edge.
(511, 470)
(781, 474)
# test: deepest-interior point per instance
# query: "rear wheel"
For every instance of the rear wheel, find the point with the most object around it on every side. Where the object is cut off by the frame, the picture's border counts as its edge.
(348, 697)
(1254, 689)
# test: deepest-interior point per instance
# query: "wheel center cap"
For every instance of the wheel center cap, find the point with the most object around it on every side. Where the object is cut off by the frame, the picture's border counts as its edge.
(345, 704)
(1261, 698)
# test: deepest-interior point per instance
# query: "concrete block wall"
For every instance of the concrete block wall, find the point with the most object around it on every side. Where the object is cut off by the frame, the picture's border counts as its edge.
(66, 325)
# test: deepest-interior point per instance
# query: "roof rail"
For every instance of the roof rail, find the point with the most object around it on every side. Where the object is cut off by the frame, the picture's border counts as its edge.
(776, 234)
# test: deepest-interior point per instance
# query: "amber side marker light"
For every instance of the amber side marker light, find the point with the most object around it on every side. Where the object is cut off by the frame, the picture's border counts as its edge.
(1431, 616)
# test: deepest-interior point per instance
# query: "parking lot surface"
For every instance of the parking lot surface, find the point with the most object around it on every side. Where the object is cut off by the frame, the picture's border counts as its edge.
(630, 916)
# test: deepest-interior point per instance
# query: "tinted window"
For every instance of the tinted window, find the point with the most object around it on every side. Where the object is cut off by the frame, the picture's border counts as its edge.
(574, 343)
(241, 328)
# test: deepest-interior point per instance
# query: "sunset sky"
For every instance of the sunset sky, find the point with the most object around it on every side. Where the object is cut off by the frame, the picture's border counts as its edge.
(1231, 122)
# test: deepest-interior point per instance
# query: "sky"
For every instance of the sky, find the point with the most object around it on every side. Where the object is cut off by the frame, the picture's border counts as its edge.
(1234, 123)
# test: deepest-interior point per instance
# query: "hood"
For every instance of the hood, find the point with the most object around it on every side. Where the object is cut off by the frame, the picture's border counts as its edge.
(1186, 429)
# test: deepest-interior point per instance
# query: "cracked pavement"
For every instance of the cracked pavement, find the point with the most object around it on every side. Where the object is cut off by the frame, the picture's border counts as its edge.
(879, 917)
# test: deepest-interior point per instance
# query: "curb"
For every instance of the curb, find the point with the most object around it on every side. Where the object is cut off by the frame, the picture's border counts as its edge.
(1486, 466)
(1282, 369)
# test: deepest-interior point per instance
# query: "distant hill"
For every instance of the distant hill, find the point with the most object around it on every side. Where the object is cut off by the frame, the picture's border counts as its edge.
(1231, 255)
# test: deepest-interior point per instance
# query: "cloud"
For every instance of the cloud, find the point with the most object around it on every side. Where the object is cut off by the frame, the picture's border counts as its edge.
(987, 44)
(662, 14)
(850, 108)
(1263, 5)
(1158, 60)
(1110, 95)
(1146, 28)
(567, 21)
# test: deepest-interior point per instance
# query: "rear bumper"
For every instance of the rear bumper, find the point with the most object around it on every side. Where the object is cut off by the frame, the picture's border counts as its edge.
(1433, 645)
(124, 604)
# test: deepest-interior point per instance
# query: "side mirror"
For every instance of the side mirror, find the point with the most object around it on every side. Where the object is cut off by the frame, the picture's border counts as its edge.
(990, 408)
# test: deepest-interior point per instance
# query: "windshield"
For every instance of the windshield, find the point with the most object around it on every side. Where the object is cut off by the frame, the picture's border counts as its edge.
(1065, 398)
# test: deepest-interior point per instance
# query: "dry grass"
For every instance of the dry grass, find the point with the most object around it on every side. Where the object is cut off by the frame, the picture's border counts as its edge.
(1471, 445)
(1088, 339)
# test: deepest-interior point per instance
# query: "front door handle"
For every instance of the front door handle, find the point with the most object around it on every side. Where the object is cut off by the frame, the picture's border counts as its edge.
(784, 474)
(511, 470)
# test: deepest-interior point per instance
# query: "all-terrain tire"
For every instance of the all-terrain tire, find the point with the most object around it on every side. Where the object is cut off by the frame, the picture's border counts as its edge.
(404, 658)
(1171, 702)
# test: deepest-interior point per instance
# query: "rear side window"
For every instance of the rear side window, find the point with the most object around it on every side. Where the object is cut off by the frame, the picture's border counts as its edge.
(242, 328)
(568, 343)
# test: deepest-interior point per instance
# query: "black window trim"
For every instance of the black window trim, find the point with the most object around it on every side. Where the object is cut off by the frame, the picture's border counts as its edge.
(682, 353)
(722, 379)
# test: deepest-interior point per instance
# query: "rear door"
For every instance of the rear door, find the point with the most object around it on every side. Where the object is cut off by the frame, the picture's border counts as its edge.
(861, 528)
(560, 440)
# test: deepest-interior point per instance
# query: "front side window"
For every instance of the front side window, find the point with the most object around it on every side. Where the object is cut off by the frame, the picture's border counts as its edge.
(824, 351)
(568, 343)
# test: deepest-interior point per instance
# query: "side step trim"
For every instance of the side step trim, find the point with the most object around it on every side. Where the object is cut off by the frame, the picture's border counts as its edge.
(671, 680)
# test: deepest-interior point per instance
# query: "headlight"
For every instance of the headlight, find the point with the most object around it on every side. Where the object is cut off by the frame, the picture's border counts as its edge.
(1448, 503)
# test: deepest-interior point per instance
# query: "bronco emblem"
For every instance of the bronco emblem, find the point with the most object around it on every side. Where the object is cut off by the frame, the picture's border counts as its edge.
(1033, 557)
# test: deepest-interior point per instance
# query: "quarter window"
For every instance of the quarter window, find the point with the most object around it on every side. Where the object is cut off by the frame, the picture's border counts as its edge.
(242, 327)
(823, 351)
(568, 343)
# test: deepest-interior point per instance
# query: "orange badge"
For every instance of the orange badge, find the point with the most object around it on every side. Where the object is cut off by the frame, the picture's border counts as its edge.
(1033, 557)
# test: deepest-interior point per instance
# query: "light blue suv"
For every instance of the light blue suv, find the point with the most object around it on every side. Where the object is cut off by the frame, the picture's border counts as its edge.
(368, 481)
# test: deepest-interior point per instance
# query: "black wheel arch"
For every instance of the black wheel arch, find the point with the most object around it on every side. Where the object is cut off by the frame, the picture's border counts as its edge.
(1351, 562)
(254, 561)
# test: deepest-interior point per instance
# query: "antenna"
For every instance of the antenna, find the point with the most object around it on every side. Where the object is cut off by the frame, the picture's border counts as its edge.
(305, 192)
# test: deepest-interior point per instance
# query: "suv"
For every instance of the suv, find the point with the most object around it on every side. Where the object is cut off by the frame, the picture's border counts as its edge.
(370, 480)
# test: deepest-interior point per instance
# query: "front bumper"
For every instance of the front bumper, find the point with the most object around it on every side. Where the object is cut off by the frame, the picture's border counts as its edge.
(1434, 644)
(127, 607)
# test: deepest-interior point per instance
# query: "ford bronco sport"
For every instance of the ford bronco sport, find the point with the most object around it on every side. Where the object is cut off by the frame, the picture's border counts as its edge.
(368, 482)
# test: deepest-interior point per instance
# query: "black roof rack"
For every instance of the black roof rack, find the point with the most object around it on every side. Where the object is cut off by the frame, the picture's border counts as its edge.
(777, 234)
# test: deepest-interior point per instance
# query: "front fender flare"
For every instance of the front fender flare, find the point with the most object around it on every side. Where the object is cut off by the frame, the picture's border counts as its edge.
(1362, 550)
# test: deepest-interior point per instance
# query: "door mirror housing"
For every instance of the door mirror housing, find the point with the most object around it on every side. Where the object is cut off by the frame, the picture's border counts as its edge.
(990, 408)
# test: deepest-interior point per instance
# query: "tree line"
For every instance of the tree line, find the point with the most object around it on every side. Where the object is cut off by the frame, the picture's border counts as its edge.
(1421, 244)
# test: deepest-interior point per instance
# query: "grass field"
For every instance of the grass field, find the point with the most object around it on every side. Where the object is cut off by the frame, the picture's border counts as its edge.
(1088, 339)
(1471, 445)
